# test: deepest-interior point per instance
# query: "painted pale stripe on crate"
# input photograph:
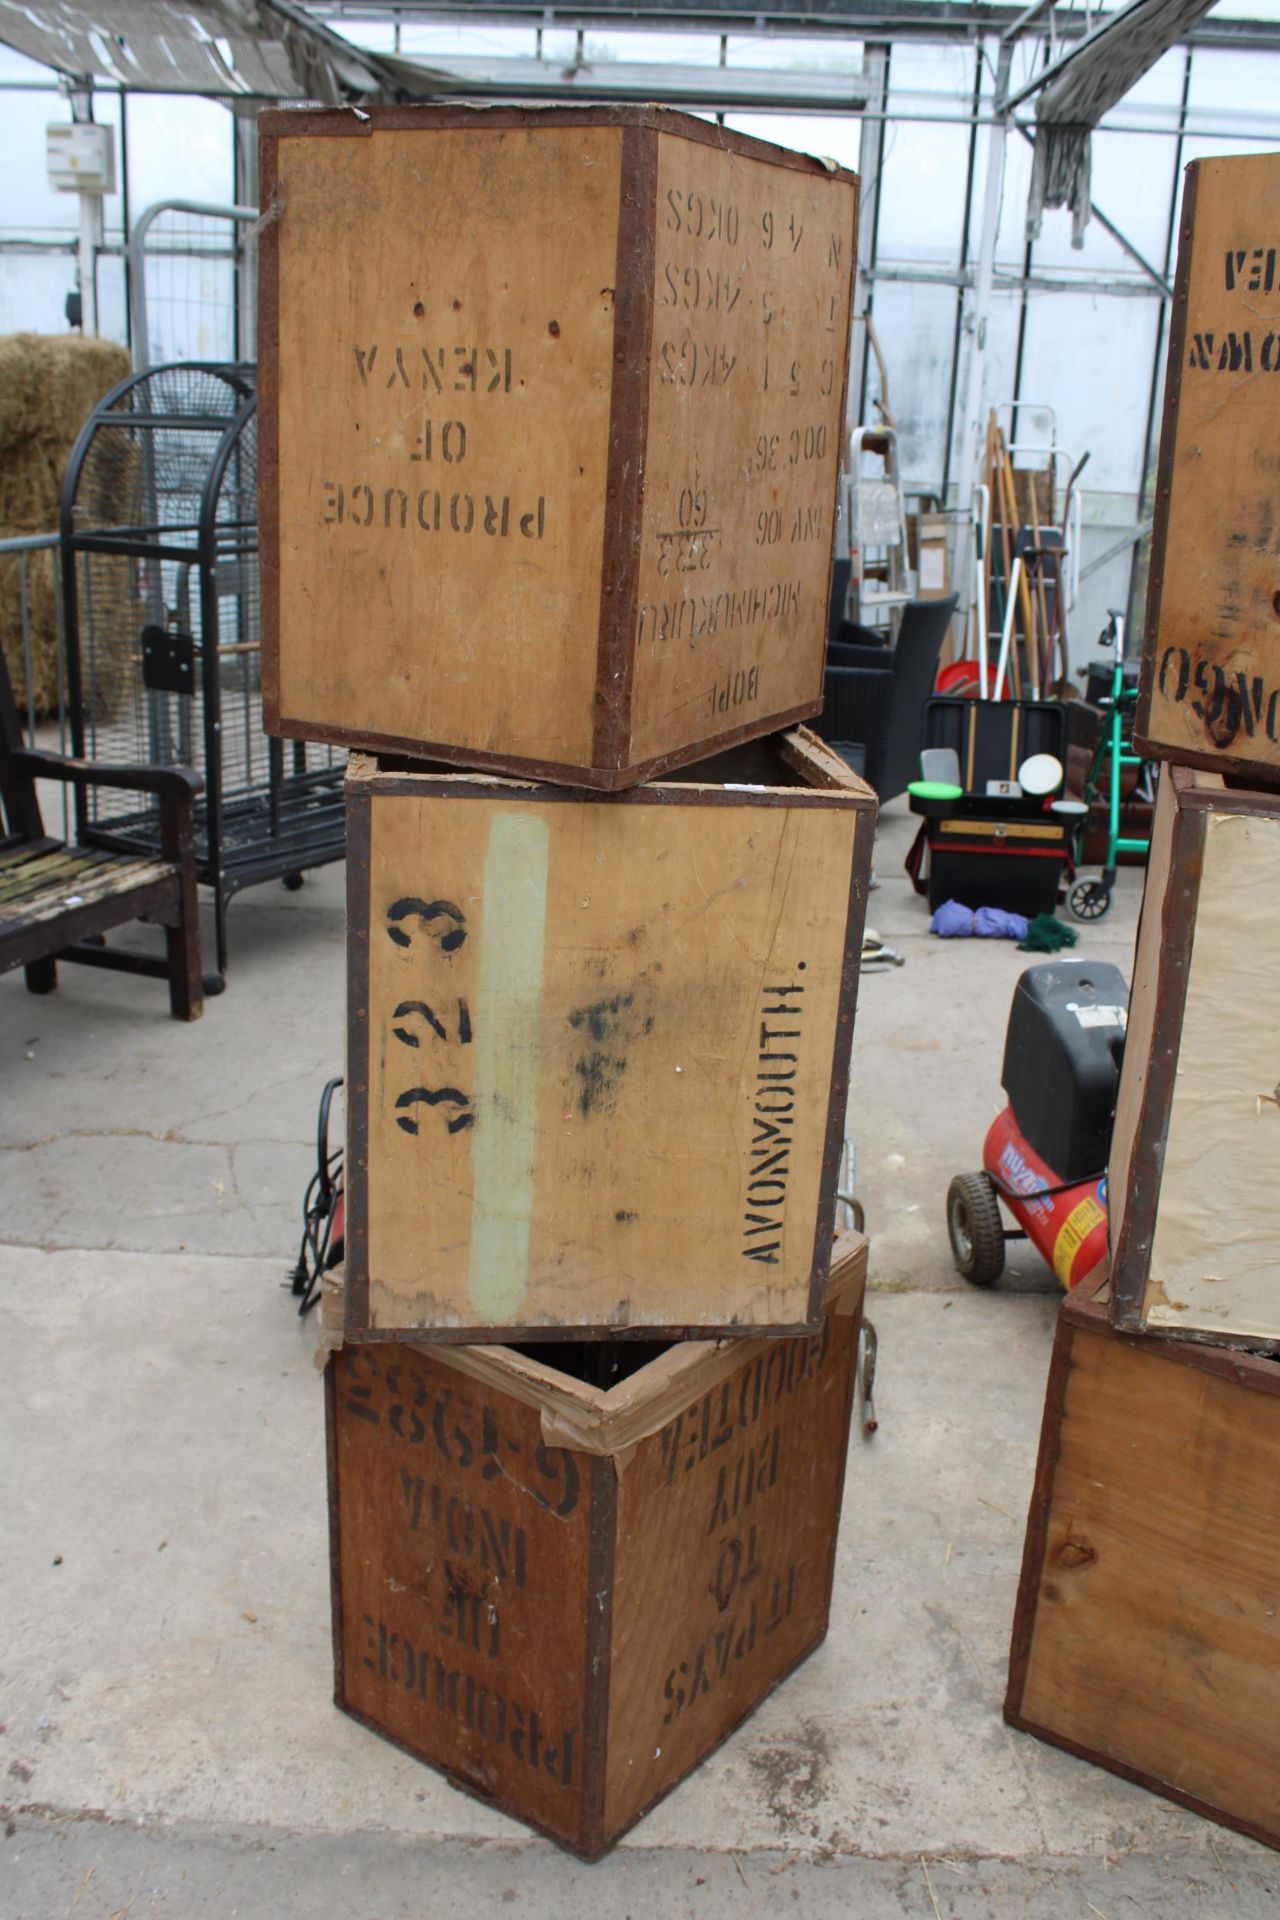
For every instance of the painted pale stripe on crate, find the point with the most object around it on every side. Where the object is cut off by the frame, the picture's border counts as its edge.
(505, 1139)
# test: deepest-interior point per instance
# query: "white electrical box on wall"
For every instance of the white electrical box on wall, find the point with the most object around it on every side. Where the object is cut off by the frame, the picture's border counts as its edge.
(80, 156)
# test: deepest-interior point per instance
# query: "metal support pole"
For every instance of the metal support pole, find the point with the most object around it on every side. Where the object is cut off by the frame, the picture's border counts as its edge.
(79, 91)
(977, 309)
(246, 130)
(90, 241)
(875, 73)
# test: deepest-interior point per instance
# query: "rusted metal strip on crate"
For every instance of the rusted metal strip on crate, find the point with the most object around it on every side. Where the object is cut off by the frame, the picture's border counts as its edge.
(1033, 1549)
(356, 1163)
(1131, 1246)
(1131, 1241)
(601, 1541)
(269, 422)
(335, 1536)
(822, 1273)
(1164, 459)
(341, 123)
(628, 416)
(562, 774)
(1153, 1783)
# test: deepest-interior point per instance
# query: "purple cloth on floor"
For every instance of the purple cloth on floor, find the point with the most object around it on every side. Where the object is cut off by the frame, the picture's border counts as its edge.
(992, 923)
(952, 921)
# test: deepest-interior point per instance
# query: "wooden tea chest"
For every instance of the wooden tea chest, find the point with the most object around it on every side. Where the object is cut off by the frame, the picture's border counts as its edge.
(1147, 1633)
(564, 1596)
(1209, 692)
(598, 1046)
(552, 410)
(1195, 1218)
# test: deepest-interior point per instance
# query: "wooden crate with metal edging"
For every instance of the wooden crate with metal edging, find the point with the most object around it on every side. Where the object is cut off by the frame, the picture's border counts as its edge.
(565, 1595)
(1209, 689)
(1191, 1182)
(552, 411)
(598, 1047)
(1147, 1631)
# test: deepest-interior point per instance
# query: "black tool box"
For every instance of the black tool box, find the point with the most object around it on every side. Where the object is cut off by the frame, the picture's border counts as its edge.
(993, 850)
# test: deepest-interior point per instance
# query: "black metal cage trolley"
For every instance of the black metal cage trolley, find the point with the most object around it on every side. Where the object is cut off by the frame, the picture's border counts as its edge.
(159, 534)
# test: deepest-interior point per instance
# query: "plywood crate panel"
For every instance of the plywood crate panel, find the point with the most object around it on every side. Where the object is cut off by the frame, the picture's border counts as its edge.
(598, 1046)
(1210, 686)
(564, 1596)
(1147, 1634)
(552, 411)
(1195, 1220)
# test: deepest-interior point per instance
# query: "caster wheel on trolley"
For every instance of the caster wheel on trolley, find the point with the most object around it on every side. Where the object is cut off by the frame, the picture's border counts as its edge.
(1089, 900)
(293, 882)
(975, 1229)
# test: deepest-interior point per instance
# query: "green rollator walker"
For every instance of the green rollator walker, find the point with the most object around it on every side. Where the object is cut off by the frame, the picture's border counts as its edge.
(1091, 899)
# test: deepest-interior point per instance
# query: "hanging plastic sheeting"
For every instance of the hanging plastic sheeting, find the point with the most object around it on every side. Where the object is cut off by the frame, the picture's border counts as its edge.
(1060, 178)
(1085, 83)
(271, 49)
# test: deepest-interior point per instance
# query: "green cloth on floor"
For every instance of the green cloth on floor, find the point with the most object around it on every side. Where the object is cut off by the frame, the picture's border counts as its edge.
(1045, 934)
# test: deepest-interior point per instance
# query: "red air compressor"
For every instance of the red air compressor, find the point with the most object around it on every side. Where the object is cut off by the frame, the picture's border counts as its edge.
(1045, 1155)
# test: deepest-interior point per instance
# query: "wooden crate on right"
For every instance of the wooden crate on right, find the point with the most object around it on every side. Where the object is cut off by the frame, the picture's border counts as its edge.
(1147, 1632)
(1195, 1219)
(1210, 687)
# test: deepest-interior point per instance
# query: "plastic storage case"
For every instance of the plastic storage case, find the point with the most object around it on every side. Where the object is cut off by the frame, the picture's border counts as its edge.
(993, 850)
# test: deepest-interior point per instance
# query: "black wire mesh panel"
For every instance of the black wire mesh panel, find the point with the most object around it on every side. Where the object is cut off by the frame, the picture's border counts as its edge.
(160, 577)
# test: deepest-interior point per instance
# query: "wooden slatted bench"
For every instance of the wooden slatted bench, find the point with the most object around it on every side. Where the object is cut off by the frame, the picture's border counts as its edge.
(58, 900)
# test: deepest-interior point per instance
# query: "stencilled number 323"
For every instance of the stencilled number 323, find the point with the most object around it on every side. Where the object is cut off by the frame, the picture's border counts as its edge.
(441, 1020)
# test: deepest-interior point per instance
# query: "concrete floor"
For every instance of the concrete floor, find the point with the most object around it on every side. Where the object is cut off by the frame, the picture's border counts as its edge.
(169, 1745)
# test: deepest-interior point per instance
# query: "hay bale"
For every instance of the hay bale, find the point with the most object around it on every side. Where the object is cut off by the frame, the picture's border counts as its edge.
(48, 387)
(42, 610)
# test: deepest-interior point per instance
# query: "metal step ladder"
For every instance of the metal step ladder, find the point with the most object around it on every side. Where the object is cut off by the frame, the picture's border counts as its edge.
(877, 522)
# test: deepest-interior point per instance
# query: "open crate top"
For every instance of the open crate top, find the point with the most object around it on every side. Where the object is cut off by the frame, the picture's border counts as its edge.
(604, 1398)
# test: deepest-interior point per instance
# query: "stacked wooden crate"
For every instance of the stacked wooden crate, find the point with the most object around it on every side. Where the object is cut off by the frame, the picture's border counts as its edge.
(553, 406)
(1148, 1627)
